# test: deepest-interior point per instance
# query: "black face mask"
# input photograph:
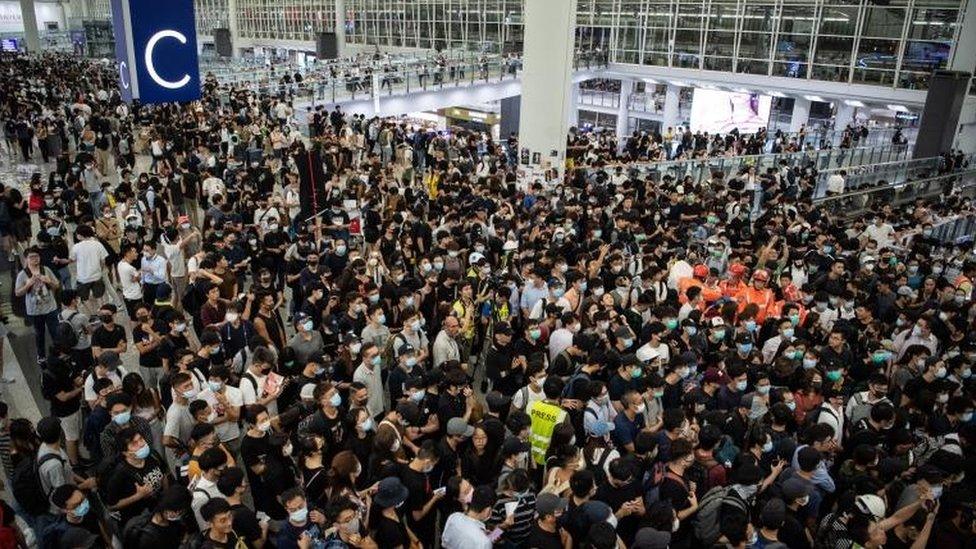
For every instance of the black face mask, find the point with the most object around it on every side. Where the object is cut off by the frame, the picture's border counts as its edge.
(106, 319)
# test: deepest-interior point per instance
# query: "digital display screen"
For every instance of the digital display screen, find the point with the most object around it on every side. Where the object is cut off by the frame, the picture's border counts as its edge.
(8, 44)
(716, 111)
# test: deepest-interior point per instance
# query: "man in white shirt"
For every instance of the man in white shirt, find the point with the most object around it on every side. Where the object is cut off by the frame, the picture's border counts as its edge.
(368, 373)
(445, 346)
(212, 461)
(130, 280)
(212, 185)
(174, 249)
(836, 183)
(88, 255)
(880, 232)
(466, 530)
(254, 381)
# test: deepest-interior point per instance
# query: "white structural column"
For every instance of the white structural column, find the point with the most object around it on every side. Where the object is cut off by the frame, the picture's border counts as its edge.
(574, 105)
(340, 27)
(672, 100)
(550, 28)
(844, 116)
(31, 36)
(964, 59)
(234, 27)
(801, 114)
(623, 110)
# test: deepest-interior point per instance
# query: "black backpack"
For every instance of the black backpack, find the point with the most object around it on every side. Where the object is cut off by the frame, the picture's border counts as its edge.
(65, 335)
(134, 529)
(26, 484)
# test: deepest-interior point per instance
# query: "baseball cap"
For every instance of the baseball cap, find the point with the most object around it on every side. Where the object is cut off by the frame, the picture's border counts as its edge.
(649, 538)
(871, 504)
(503, 328)
(497, 401)
(700, 270)
(308, 391)
(458, 427)
(549, 504)
(405, 349)
(717, 321)
(794, 489)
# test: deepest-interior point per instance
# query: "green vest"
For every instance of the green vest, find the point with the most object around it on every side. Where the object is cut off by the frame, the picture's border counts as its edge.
(545, 417)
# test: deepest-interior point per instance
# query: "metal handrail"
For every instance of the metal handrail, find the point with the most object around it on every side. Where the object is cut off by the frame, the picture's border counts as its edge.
(854, 203)
(702, 168)
(897, 172)
(899, 186)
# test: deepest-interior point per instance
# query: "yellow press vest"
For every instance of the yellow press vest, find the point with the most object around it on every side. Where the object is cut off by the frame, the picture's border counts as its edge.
(545, 417)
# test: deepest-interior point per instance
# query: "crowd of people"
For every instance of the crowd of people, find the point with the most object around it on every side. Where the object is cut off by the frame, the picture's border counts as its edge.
(451, 356)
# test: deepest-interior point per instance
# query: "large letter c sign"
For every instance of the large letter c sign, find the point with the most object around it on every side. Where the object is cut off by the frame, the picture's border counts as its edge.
(151, 68)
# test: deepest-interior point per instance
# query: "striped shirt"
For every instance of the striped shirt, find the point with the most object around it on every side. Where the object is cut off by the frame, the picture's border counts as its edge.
(524, 518)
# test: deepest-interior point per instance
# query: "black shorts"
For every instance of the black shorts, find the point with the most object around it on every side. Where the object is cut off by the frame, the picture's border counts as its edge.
(91, 289)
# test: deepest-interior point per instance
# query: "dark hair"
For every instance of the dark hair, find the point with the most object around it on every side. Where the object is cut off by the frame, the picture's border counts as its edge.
(582, 483)
(118, 397)
(61, 494)
(212, 458)
(214, 507)
(230, 480)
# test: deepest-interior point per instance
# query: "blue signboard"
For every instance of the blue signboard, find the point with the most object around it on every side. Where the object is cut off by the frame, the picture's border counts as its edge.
(156, 50)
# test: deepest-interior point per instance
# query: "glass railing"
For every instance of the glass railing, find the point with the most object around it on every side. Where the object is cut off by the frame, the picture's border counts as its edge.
(701, 169)
(955, 229)
(869, 175)
(855, 203)
(320, 87)
(599, 98)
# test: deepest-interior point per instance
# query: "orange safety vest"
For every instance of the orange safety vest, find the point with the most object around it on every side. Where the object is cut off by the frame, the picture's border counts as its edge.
(684, 284)
(731, 288)
(763, 298)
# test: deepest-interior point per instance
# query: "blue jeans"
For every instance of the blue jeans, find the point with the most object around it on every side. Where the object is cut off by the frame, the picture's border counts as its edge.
(48, 321)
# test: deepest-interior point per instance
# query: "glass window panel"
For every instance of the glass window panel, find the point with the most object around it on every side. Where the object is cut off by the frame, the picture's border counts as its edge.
(884, 22)
(720, 43)
(797, 20)
(687, 41)
(840, 21)
(933, 24)
(793, 47)
(925, 56)
(759, 18)
(914, 80)
(689, 16)
(873, 76)
(754, 45)
(718, 63)
(753, 66)
(836, 74)
(833, 50)
(792, 69)
(656, 39)
(723, 16)
(877, 54)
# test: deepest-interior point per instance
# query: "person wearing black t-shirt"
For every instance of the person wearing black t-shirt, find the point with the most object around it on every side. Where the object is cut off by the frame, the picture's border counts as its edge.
(546, 532)
(109, 336)
(138, 479)
(246, 524)
(62, 385)
(268, 469)
(220, 525)
(76, 509)
(174, 339)
(421, 504)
